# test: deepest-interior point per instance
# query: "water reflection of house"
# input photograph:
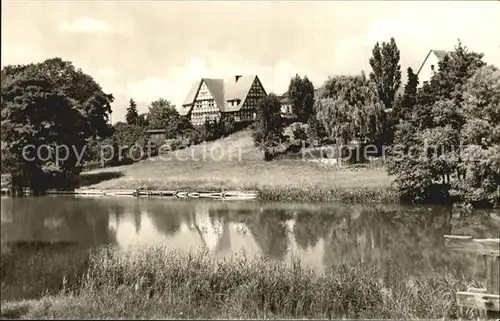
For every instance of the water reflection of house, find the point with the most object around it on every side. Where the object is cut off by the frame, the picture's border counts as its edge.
(216, 234)
(238, 238)
(209, 229)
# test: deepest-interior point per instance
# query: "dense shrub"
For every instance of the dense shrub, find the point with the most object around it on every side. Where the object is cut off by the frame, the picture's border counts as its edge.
(194, 136)
(228, 125)
(215, 129)
(299, 131)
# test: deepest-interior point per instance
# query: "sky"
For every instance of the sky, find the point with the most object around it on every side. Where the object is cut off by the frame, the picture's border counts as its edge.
(147, 50)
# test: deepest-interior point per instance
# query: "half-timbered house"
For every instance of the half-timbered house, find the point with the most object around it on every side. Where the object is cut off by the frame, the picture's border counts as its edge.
(209, 99)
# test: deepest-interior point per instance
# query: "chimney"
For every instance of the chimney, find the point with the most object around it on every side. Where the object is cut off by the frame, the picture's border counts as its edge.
(237, 77)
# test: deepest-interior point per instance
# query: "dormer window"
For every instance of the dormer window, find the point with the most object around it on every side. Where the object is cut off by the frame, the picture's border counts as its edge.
(233, 102)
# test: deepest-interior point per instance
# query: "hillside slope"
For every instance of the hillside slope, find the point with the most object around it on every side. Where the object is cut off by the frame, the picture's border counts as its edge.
(195, 168)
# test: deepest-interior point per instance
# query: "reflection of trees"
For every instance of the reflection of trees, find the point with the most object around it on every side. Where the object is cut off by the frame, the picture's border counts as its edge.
(167, 217)
(90, 220)
(479, 223)
(236, 215)
(411, 238)
(136, 210)
(306, 230)
(118, 210)
(310, 227)
(270, 232)
(85, 222)
(49, 239)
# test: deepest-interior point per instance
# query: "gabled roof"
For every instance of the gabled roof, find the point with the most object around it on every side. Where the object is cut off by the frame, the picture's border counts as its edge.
(188, 102)
(284, 99)
(222, 91)
(440, 54)
(237, 89)
(216, 88)
(192, 93)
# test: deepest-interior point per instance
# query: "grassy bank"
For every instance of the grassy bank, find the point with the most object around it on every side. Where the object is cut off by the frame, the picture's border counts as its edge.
(151, 284)
(240, 167)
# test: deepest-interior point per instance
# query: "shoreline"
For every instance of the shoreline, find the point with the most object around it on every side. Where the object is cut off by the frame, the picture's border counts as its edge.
(265, 194)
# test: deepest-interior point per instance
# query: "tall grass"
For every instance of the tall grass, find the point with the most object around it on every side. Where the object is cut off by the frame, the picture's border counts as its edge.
(154, 283)
(381, 195)
(32, 270)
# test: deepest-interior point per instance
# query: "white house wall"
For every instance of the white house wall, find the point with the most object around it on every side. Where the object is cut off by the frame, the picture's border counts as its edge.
(205, 107)
(426, 72)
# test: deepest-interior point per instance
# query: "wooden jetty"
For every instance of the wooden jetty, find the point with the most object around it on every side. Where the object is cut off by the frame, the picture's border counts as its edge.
(230, 195)
(487, 299)
(222, 195)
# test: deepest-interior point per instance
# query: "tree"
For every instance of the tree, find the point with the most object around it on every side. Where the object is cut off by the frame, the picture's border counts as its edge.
(132, 116)
(52, 104)
(143, 120)
(268, 129)
(403, 109)
(454, 71)
(386, 74)
(315, 129)
(349, 109)
(430, 165)
(179, 126)
(386, 71)
(126, 136)
(301, 95)
(163, 115)
(480, 169)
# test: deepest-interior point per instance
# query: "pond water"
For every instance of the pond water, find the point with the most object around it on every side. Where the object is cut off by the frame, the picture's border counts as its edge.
(44, 239)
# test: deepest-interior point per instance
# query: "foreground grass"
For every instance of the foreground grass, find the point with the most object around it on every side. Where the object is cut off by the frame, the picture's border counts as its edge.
(242, 168)
(149, 283)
